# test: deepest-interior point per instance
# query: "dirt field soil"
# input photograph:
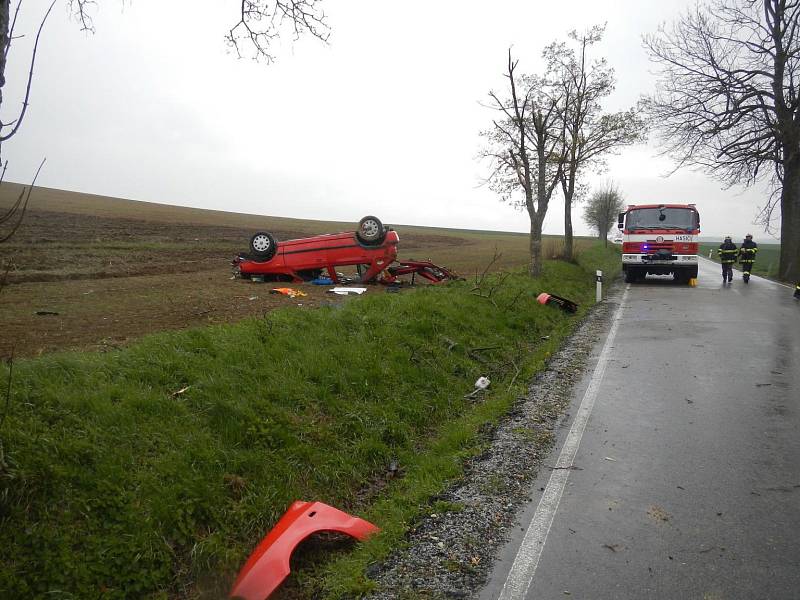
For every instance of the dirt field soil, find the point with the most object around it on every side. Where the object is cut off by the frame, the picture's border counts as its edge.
(90, 272)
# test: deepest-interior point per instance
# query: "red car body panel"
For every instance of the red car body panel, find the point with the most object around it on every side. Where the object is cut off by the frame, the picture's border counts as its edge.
(324, 252)
(268, 565)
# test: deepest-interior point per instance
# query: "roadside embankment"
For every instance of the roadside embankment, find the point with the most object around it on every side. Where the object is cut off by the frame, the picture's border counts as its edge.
(153, 471)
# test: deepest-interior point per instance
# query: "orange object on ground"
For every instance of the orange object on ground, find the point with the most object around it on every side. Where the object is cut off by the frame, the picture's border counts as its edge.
(291, 292)
(564, 304)
(268, 565)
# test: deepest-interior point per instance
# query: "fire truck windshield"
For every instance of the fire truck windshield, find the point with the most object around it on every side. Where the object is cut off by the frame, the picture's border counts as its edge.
(661, 218)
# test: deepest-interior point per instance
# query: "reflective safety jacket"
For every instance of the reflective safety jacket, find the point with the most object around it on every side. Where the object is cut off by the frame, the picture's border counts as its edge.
(727, 253)
(747, 253)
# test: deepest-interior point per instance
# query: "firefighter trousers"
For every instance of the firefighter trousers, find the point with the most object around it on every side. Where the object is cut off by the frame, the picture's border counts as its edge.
(747, 266)
(727, 271)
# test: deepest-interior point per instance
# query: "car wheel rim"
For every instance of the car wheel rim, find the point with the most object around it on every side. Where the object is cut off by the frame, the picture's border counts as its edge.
(261, 243)
(370, 229)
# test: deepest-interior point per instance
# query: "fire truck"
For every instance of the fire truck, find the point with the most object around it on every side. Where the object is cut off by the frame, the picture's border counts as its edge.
(660, 239)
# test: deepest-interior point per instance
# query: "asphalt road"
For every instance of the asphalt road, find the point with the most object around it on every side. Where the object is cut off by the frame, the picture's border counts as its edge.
(685, 481)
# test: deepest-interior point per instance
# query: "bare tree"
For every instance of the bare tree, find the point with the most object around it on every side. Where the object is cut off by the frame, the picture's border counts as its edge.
(6, 38)
(590, 134)
(11, 218)
(603, 208)
(261, 22)
(728, 102)
(524, 149)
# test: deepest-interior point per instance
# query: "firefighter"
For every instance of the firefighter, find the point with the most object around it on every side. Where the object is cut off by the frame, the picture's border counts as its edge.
(727, 256)
(747, 256)
(797, 291)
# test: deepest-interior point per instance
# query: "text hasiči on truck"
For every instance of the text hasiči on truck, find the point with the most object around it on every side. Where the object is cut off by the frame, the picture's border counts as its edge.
(660, 239)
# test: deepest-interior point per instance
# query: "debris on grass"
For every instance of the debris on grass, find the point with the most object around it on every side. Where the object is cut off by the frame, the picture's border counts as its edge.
(291, 292)
(346, 291)
(553, 300)
(268, 565)
(180, 391)
(322, 281)
(481, 384)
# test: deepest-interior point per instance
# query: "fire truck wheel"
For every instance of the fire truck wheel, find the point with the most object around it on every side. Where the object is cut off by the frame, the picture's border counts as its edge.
(263, 245)
(630, 276)
(370, 231)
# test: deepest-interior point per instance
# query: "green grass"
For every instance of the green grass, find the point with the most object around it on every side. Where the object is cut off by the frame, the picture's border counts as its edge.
(767, 259)
(114, 485)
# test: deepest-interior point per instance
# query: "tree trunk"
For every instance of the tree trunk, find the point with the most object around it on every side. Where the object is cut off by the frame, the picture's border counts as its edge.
(567, 229)
(4, 25)
(536, 246)
(790, 222)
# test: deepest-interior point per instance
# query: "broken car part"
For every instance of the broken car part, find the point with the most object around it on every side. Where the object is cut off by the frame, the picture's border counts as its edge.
(268, 565)
(553, 300)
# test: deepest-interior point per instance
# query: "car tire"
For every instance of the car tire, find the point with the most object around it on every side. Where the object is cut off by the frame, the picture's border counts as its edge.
(263, 245)
(370, 231)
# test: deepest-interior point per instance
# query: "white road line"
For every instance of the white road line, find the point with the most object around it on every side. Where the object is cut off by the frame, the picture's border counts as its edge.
(524, 568)
(764, 279)
(769, 281)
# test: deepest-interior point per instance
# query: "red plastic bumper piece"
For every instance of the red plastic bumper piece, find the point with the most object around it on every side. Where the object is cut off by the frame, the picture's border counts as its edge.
(268, 565)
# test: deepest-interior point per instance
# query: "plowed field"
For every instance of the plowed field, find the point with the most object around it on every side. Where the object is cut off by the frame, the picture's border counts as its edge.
(92, 272)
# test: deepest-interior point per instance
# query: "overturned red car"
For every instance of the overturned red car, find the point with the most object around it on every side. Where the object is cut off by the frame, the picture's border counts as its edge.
(371, 248)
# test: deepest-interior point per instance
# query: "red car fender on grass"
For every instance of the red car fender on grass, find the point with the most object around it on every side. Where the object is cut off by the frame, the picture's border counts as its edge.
(268, 565)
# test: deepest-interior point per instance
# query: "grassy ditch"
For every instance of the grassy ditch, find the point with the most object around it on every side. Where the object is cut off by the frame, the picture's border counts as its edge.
(154, 470)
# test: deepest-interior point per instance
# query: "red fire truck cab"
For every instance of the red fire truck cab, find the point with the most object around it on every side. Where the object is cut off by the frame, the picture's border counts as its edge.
(660, 239)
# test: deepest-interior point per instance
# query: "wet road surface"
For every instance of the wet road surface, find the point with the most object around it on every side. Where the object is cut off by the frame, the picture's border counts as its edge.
(685, 481)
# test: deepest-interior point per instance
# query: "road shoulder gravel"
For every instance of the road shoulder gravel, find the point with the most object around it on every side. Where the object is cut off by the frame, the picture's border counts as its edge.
(449, 554)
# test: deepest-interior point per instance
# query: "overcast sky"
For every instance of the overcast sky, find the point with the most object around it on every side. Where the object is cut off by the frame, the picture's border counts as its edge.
(382, 120)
